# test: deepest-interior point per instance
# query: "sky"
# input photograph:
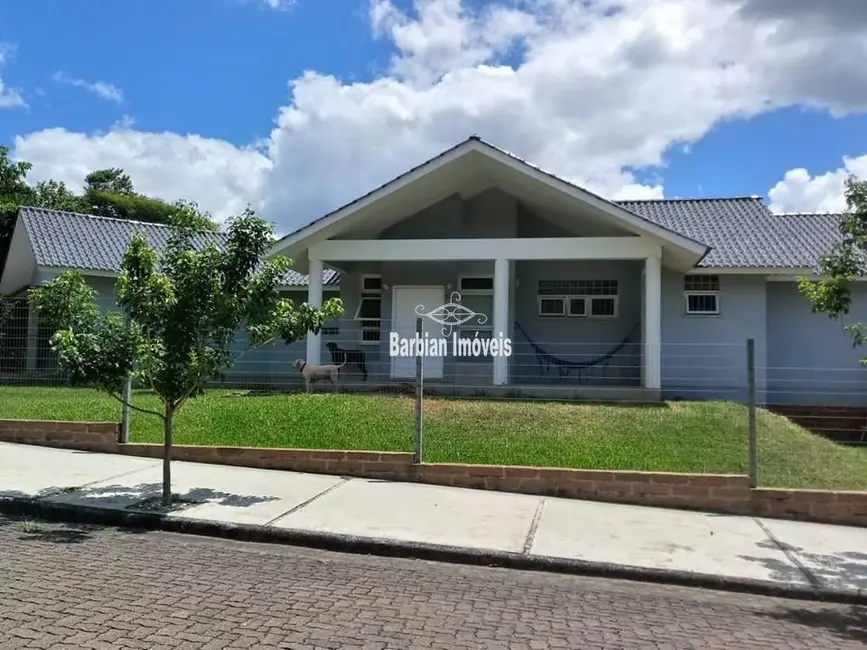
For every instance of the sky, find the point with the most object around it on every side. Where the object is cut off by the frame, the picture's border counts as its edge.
(296, 107)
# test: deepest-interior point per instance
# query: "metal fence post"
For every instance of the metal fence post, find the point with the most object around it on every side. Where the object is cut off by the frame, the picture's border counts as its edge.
(419, 395)
(125, 412)
(751, 412)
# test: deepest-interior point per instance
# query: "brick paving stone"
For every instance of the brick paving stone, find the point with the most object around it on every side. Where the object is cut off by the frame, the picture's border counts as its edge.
(66, 586)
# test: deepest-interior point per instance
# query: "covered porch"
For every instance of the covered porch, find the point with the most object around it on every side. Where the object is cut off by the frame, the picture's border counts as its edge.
(590, 324)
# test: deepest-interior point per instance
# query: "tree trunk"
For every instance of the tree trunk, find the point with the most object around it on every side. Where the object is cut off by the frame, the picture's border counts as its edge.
(167, 456)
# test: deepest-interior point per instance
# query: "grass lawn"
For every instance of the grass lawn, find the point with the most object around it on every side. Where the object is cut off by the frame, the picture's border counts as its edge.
(674, 437)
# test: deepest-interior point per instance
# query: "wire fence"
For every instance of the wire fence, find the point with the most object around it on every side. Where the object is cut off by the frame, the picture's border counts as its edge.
(571, 393)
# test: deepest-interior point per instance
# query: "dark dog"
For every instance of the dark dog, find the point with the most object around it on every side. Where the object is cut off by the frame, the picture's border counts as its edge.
(352, 357)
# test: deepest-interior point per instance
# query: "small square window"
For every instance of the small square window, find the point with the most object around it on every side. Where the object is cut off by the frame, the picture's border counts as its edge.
(552, 306)
(577, 306)
(702, 303)
(603, 307)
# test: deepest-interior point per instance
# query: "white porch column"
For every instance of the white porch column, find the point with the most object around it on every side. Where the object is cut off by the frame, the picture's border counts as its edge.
(652, 322)
(501, 317)
(314, 298)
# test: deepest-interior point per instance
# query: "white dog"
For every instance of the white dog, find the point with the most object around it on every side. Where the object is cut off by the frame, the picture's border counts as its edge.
(312, 374)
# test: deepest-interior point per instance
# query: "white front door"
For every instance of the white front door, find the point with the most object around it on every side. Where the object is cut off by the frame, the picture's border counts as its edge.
(404, 301)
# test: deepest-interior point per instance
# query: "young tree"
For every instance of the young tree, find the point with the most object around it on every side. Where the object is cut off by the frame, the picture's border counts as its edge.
(832, 295)
(181, 313)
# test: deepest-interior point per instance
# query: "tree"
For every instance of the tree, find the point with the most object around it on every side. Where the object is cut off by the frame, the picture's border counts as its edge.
(137, 207)
(55, 195)
(181, 310)
(846, 261)
(14, 191)
(110, 193)
(112, 180)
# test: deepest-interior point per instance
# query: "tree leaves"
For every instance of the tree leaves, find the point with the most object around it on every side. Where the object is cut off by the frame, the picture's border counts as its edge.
(840, 267)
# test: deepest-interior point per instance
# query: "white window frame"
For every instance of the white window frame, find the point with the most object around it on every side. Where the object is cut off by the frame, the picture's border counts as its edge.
(616, 300)
(716, 295)
(542, 314)
(690, 312)
(369, 294)
(583, 299)
(588, 304)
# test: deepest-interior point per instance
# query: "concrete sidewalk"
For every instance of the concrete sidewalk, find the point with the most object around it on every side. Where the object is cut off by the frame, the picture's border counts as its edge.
(753, 554)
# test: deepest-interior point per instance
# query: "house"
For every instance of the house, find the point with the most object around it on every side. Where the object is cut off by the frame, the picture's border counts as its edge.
(635, 300)
(45, 243)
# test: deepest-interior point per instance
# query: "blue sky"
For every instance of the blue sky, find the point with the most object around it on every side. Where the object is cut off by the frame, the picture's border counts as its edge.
(223, 70)
(218, 68)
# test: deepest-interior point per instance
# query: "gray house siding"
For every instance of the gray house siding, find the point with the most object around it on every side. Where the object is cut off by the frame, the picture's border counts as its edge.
(810, 358)
(705, 357)
(578, 340)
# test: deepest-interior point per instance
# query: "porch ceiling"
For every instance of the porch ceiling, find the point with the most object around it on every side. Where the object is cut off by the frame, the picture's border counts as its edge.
(468, 170)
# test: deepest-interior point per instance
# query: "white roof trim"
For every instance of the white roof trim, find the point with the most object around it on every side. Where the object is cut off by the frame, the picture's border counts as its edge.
(476, 145)
(95, 273)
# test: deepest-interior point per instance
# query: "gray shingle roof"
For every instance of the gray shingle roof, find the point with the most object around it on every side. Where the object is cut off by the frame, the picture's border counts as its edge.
(742, 232)
(90, 243)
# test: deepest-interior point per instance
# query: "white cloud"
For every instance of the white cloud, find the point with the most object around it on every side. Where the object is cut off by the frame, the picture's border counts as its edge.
(9, 97)
(587, 90)
(219, 176)
(801, 192)
(103, 89)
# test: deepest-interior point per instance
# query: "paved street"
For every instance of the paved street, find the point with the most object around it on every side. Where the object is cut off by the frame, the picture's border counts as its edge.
(64, 586)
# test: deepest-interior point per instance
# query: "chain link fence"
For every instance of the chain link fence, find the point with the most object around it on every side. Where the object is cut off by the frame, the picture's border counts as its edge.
(568, 401)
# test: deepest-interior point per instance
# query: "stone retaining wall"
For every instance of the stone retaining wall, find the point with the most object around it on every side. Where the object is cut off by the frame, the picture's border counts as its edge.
(713, 492)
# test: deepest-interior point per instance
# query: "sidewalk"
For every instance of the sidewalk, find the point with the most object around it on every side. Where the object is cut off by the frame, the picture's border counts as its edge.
(432, 522)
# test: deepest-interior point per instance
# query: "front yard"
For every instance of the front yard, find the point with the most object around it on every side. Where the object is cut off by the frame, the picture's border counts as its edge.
(706, 437)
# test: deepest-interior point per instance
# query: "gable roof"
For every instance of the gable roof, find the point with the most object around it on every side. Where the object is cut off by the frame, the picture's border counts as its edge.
(68, 240)
(744, 233)
(498, 161)
(741, 232)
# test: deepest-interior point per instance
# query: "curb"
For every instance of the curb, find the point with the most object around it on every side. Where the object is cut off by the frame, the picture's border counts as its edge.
(62, 512)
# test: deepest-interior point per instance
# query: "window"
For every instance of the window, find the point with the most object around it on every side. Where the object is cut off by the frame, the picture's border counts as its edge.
(577, 307)
(369, 311)
(578, 298)
(603, 307)
(477, 294)
(552, 306)
(578, 287)
(701, 295)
